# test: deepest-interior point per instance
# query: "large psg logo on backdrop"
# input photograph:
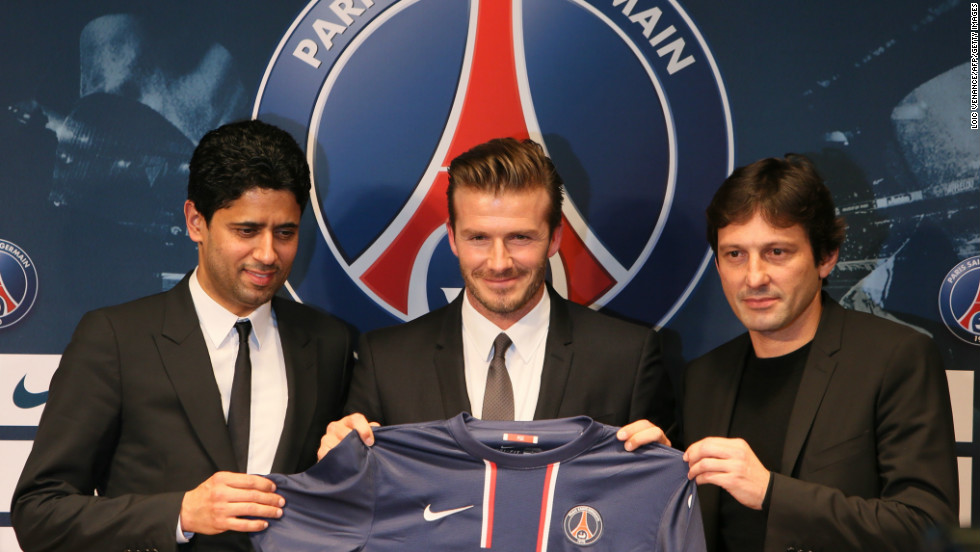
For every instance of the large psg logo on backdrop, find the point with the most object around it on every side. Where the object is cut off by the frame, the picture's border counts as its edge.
(623, 94)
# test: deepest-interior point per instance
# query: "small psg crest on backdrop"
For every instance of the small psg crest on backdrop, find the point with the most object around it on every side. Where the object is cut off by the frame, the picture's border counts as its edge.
(959, 300)
(18, 284)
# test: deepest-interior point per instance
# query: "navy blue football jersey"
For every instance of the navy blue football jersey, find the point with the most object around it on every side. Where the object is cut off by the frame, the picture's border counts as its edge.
(468, 484)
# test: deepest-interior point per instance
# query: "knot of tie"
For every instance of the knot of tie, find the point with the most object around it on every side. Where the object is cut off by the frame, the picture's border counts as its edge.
(500, 345)
(244, 328)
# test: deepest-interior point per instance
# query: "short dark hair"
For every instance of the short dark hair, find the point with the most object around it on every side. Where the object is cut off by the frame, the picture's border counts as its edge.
(506, 165)
(786, 191)
(239, 156)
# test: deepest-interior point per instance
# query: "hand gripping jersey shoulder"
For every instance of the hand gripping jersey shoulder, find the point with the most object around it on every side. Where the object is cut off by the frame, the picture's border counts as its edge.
(467, 484)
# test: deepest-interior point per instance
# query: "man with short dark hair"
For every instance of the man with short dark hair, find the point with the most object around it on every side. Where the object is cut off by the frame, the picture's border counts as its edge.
(820, 428)
(556, 358)
(161, 407)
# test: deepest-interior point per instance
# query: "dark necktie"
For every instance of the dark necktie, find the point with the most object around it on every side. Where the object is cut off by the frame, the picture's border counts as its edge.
(240, 407)
(498, 399)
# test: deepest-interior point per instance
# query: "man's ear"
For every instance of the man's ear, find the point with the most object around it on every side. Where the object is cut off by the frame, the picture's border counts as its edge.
(828, 264)
(555, 240)
(196, 225)
(452, 237)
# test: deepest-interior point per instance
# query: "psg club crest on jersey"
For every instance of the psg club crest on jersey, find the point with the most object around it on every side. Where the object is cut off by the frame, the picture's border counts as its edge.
(18, 284)
(959, 300)
(583, 525)
(624, 96)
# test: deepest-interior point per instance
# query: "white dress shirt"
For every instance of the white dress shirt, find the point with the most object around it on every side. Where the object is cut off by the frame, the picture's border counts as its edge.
(525, 356)
(270, 393)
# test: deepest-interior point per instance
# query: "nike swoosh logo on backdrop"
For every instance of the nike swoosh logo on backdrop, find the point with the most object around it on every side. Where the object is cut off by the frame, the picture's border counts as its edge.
(25, 399)
(429, 515)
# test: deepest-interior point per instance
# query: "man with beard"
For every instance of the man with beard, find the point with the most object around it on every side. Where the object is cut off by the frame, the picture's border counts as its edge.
(559, 359)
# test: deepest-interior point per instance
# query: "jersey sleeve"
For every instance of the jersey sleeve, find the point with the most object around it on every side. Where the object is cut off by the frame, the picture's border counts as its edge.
(329, 507)
(680, 527)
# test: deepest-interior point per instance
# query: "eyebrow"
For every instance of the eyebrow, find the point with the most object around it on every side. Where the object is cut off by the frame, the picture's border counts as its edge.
(521, 231)
(782, 244)
(252, 224)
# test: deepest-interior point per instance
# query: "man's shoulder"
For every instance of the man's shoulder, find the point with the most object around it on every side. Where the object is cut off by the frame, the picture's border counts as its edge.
(427, 325)
(867, 330)
(140, 308)
(310, 317)
(593, 322)
(851, 326)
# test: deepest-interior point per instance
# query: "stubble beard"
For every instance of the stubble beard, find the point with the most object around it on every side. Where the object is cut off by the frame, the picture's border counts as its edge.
(501, 303)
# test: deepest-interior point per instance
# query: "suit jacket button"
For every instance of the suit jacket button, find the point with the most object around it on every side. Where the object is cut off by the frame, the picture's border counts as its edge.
(791, 549)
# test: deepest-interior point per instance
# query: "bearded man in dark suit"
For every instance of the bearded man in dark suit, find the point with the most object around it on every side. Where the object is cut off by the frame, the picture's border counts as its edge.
(161, 408)
(562, 359)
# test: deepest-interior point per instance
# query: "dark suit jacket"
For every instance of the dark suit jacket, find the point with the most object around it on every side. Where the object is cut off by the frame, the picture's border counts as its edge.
(869, 460)
(594, 365)
(134, 414)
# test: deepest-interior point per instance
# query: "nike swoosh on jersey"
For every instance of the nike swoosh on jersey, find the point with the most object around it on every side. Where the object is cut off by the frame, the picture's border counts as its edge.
(429, 515)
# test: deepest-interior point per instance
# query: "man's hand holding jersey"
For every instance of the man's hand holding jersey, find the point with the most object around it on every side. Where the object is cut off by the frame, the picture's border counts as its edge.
(641, 432)
(336, 431)
(230, 502)
(732, 465)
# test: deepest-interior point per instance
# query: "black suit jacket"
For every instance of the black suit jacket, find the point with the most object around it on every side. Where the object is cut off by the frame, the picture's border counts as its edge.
(869, 460)
(594, 365)
(134, 414)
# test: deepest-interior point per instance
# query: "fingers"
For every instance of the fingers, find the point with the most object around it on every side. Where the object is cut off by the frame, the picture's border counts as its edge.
(641, 432)
(360, 424)
(730, 464)
(246, 481)
(702, 455)
(713, 447)
(223, 501)
(336, 431)
(703, 469)
(245, 525)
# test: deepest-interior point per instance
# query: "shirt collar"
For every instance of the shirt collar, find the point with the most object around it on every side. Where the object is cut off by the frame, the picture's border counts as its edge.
(218, 322)
(527, 334)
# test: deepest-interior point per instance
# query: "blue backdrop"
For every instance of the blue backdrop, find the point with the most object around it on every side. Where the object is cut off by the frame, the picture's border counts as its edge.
(645, 107)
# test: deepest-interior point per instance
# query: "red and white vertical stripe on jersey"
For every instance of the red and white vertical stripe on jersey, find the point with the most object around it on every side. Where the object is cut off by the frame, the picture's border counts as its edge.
(547, 499)
(489, 498)
(489, 492)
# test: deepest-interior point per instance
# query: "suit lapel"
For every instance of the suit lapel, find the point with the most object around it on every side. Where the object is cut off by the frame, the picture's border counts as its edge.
(718, 403)
(300, 359)
(186, 359)
(448, 361)
(820, 366)
(723, 393)
(557, 359)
